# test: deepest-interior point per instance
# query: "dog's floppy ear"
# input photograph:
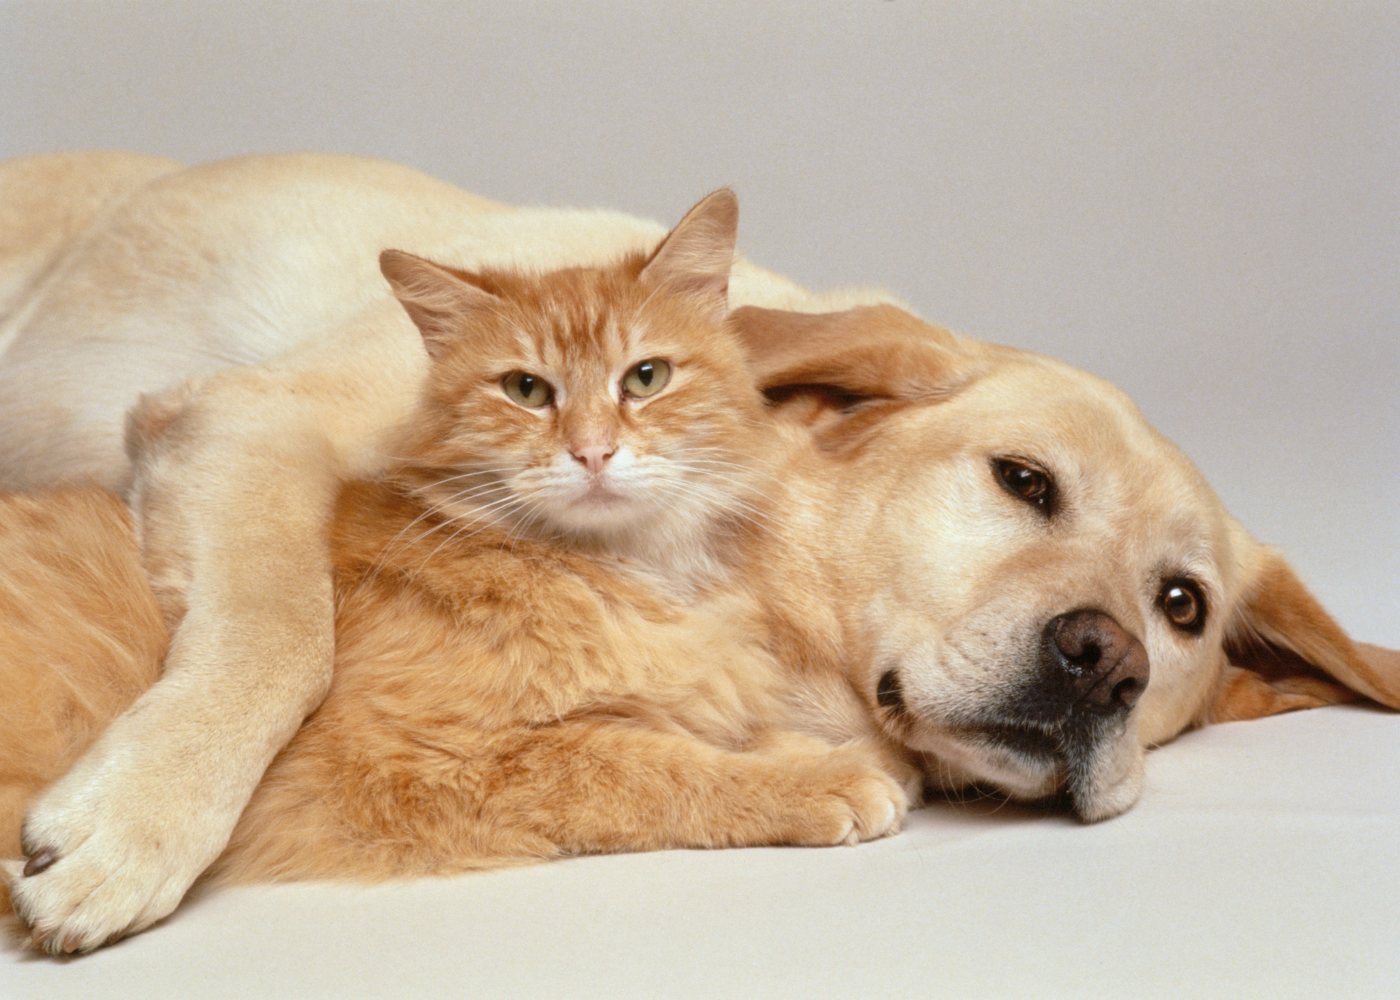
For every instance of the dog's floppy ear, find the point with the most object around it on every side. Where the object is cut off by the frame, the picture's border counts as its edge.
(1285, 652)
(841, 359)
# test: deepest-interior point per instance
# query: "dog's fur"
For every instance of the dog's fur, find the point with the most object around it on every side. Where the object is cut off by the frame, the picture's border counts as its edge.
(912, 588)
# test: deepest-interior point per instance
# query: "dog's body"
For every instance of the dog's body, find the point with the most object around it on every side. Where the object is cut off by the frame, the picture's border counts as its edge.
(945, 561)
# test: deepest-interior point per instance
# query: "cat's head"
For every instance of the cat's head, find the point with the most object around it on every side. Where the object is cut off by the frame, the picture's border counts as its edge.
(588, 403)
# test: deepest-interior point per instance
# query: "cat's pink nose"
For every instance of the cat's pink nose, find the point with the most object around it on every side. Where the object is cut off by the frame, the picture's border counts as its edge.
(595, 456)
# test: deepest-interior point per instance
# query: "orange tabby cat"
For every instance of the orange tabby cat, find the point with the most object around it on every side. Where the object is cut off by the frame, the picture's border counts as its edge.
(542, 645)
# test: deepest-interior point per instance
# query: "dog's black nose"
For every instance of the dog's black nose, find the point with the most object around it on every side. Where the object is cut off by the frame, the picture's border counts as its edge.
(1092, 663)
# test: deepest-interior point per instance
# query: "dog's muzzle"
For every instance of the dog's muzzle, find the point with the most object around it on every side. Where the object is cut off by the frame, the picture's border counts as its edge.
(1068, 718)
(1090, 671)
(1075, 707)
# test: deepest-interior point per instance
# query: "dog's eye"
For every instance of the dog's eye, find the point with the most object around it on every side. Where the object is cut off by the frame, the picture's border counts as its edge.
(1183, 604)
(1026, 482)
(529, 391)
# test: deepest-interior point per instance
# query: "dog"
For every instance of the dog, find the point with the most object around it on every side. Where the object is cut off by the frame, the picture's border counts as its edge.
(1023, 600)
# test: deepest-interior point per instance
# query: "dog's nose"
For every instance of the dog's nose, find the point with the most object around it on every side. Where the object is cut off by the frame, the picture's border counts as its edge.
(1097, 665)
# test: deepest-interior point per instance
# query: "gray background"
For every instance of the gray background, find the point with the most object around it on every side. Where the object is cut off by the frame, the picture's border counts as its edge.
(1198, 201)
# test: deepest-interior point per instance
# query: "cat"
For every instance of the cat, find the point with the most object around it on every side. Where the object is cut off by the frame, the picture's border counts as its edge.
(606, 408)
(545, 644)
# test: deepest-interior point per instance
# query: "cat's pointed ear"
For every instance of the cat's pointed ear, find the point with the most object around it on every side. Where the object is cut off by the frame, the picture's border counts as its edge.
(1285, 652)
(696, 256)
(438, 300)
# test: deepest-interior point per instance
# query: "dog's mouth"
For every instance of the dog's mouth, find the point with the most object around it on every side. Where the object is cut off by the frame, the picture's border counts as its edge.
(1035, 744)
(1091, 763)
(1094, 768)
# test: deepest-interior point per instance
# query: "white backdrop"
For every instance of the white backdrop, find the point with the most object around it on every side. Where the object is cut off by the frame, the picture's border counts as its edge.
(1197, 200)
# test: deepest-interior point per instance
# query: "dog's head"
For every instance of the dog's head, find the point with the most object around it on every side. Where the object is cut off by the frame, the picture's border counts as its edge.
(1045, 586)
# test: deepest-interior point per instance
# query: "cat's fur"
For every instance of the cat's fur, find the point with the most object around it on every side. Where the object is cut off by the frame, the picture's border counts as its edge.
(523, 669)
(80, 635)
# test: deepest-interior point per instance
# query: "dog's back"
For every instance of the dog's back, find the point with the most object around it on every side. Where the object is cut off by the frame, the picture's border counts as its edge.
(80, 635)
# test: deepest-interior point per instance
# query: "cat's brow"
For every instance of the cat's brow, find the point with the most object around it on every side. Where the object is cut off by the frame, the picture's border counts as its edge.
(581, 331)
(631, 335)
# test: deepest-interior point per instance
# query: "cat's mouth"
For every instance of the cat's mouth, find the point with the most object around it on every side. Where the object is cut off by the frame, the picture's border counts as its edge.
(598, 493)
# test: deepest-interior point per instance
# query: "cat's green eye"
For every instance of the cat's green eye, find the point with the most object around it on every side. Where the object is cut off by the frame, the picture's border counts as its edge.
(646, 378)
(530, 391)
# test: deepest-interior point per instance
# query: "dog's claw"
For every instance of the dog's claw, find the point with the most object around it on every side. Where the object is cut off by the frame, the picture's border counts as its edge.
(70, 944)
(40, 861)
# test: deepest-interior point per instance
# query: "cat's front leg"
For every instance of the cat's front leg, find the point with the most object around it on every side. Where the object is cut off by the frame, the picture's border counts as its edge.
(602, 786)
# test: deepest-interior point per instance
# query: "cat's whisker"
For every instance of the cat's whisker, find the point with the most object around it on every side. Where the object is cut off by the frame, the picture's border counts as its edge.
(506, 506)
(468, 495)
(471, 510)
(740, 490)
(717, 466)
(521, 527)
(691, 457)
(428, 489)
(680, 497)
(444, 504)
(461, 495)
(718, 454)
(407, 464)
(390, 546)
(522, 522)
(729, 500)
(725, 502)
(479, 510)
(737, 476)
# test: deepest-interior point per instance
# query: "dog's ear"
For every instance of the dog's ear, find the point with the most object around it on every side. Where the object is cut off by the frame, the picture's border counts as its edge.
(845, 362)
(1285, 652)
(438, 299)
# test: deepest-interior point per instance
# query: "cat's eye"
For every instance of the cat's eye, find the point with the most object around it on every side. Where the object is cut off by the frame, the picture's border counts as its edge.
(1183, 604)
(1026, 482)
(530, 391)
(646, 378)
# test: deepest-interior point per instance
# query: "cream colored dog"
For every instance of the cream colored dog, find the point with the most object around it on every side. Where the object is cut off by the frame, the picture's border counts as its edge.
(1023, 599)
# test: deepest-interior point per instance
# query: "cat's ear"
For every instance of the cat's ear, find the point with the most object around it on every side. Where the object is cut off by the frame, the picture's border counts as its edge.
(1285, 652)
(696, 256)
(438, 300)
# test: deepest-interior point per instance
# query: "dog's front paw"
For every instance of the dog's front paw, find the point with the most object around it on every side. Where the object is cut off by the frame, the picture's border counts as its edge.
(103, 860)
(844, 798)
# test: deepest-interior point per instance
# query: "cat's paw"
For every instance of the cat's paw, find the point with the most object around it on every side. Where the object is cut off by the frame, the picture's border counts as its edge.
(845, 798)
(105, 862)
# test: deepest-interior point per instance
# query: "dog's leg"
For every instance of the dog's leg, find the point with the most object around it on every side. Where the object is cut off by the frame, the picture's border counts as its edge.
(235, 482)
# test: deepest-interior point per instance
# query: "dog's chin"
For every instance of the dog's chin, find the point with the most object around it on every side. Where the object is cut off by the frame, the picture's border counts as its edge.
(1099, 775)
(1105, 777)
